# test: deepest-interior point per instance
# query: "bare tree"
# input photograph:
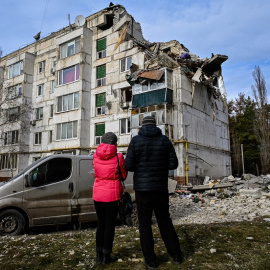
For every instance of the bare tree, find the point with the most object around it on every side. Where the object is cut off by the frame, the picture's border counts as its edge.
(14, 119)
(261, 124)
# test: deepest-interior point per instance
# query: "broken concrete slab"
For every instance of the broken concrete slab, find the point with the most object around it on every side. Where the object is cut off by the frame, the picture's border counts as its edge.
(206, 187)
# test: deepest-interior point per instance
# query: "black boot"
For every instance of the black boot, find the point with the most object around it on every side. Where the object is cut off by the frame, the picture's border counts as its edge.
(107, 257)
(99, 257)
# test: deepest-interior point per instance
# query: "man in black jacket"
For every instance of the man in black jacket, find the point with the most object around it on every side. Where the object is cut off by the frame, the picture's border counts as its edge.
(150, 155)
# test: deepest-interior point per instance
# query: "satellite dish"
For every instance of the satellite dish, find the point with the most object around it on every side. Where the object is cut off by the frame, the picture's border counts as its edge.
(80, 20)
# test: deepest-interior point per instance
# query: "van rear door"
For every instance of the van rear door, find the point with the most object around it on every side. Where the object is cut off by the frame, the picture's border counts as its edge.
(49, 191)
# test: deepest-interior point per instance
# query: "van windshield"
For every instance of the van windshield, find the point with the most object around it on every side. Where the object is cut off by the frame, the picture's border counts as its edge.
(24, 170)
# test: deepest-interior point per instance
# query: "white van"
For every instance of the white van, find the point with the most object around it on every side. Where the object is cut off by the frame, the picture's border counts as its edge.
(53, 190)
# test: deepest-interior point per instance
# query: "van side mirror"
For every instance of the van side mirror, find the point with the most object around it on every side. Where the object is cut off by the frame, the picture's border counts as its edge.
(26, 178)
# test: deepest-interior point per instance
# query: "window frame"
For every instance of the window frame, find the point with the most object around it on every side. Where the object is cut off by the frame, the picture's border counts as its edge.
(14, 91)
(98, 137)
(39, 113)
(60, 129)
(9, 137)
(65, 102)
(76, 42)
(41, 67)
(11, 70)
(101, 53)
(101, 110)
(100, 81)
(5, 161)
(127, 126)
(52, 86)
(125, 64)
(37, 138)
(61, 74)
(13, 117)
(40, 89)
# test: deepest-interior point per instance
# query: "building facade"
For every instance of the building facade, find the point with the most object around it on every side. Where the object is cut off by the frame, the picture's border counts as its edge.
(61, 93)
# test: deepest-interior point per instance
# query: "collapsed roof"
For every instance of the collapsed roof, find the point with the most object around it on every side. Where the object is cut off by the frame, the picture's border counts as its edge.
(170, 54)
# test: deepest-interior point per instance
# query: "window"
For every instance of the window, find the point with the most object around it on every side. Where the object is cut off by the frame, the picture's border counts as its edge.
(124, 126)
(52, 171)
(101, 75)
(14, 91)
(11, 137)
(38, 137)
(126, 96)
(67, 130)
(40, 90)
(15, 70)
(70, 48)
(68, 102)
(50, 136)
(41, 67)
(52, 86)
(54, 62)
(13, 113)
(100, 104)
(101, 48)
(8, 161)
(125, 64)
(99, 131)
(51, 111)
(69, 75)
(39, 113)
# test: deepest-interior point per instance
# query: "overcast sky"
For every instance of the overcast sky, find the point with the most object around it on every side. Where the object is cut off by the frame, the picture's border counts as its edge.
(237, 28)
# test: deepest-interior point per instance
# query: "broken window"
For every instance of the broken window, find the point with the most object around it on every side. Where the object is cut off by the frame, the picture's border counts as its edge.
(41, 67)
(14, 91)
(8, 161)
(69, 75)
(39, 113)
(54, 170)
(40, 90)
(125, 63)
(126, 94)
(99, 131)
(15, 70)
(100, 104)
(68, 102)
(38, 137)
(124, 126)
(67, 130)
(101, 48)
(101, 75)
(11, 137)
(70, 48)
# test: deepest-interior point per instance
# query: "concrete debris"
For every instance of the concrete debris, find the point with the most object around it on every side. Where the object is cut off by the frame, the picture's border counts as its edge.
(172, 55)
(226, 200)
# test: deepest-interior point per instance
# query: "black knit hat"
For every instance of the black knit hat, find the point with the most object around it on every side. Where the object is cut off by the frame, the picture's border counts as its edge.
(109, 138)
(149, 120)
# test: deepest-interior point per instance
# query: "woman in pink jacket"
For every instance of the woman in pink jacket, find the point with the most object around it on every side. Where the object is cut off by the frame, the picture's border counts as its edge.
(107, 191)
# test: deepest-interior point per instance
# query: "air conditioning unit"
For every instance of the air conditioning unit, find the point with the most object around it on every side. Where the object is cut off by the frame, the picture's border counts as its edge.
(53, 70)
(33, 122)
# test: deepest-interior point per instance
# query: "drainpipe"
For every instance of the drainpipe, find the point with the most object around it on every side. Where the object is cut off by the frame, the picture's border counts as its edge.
(187, 168)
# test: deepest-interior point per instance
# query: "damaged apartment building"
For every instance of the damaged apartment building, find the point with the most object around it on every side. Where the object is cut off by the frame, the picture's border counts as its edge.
(100, 74)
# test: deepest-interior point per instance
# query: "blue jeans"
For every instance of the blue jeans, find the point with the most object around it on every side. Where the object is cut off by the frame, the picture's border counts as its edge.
(157, 200)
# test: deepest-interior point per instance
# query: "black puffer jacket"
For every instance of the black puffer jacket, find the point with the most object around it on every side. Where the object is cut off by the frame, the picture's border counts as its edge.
(150, 155)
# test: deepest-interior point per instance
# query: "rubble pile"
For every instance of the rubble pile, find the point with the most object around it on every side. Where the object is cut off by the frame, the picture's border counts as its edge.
(244, 198)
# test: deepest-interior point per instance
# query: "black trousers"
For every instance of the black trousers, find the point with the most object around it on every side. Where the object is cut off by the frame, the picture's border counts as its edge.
(107, 214)
(157, 200)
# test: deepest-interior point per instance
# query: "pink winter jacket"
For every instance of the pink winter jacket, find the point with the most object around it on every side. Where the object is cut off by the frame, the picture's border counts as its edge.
(107, 186)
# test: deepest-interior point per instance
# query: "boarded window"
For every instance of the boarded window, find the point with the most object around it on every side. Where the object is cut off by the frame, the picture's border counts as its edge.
(101, 44)
(100, 129)
(101, 71)
(100, 100)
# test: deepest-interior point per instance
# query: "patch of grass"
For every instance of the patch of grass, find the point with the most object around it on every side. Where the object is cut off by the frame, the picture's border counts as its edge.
(241, 245)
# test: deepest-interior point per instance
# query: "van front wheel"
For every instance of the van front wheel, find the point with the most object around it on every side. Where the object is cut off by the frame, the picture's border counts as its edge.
(12, 222)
